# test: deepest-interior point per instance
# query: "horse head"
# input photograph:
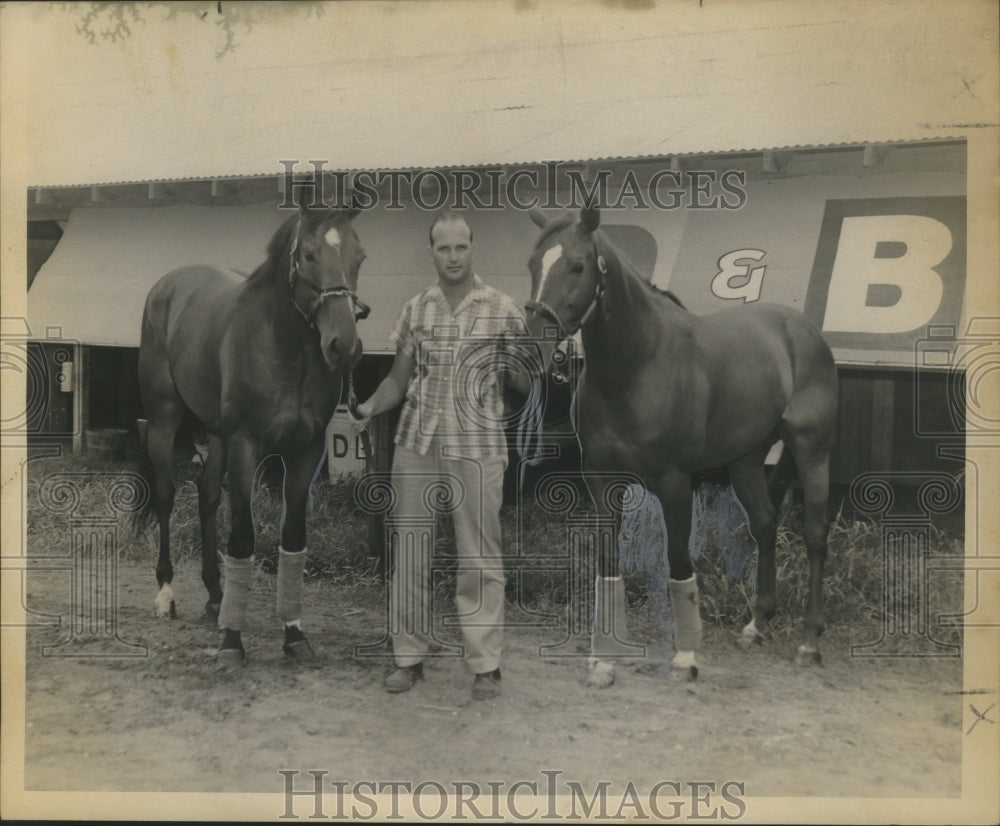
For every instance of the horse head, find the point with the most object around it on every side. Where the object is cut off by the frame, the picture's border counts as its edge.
(567, 281)
(324, 258)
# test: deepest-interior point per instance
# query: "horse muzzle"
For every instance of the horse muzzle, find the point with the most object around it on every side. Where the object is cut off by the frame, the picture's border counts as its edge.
(341, 352)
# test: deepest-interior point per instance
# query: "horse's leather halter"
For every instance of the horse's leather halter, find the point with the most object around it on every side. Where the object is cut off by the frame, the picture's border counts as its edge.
(361, 309)
(564, 330)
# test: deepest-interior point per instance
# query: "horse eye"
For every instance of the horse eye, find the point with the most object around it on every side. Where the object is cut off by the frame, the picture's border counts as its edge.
(310, 258)
(578, 267)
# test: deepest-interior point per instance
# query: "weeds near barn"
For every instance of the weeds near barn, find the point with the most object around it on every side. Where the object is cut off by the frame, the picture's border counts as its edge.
(534, 541)
(854, 593)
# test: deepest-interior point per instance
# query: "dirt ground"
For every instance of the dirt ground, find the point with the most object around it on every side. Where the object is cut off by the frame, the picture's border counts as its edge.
(171, 721)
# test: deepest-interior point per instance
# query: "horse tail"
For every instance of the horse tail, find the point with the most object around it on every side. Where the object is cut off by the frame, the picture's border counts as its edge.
(146, 515)
(780, 478)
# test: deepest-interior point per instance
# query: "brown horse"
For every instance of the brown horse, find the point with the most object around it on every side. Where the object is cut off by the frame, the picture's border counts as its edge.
(259, 360)
(666, 394)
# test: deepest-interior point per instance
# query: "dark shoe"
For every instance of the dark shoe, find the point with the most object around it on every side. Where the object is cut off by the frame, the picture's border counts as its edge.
(403, 678)
(486, 686)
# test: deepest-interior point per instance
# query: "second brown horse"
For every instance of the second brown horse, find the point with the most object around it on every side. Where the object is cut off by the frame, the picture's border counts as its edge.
(666, 394)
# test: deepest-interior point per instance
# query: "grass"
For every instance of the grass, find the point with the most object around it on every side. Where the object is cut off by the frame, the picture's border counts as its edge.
(540, 579)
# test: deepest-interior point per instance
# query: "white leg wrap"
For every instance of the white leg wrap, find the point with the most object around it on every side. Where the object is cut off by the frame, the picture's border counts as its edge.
(163, 600)
(808, 655)
(600, 673)
(291, 566)
(610, 623)
(687, 619)
(235, 593)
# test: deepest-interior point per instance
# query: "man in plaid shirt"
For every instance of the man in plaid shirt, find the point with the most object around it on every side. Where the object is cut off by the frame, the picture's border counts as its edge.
(449, 372)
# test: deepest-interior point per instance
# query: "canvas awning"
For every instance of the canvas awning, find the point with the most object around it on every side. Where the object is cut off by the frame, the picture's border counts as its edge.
(93, 287)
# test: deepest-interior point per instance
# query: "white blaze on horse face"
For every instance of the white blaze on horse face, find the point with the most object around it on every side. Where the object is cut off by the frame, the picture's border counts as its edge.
(332, 237)
(549, 258)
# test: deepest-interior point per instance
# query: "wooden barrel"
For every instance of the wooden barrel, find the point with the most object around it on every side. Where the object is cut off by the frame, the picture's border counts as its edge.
(107, 443)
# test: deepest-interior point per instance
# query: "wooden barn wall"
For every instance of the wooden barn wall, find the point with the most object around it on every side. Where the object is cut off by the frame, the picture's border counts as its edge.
(864, 424)
(896, 421)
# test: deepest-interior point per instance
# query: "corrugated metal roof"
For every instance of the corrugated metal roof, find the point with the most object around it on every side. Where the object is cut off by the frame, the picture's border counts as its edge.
(617, 159)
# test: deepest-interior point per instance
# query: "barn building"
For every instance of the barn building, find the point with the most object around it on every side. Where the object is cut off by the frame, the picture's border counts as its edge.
(868, 241)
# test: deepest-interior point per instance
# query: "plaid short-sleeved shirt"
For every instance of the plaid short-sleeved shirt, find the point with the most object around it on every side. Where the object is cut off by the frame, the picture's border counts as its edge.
(456, 391)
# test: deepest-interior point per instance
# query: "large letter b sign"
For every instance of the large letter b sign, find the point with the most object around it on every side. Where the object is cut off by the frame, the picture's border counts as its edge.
(886, 268)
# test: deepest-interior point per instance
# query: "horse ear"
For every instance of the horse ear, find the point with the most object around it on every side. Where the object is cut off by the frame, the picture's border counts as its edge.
(590, 218)
(538, 217)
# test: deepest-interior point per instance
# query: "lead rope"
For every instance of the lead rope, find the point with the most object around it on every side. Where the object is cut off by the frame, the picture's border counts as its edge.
(530, 427)
(352, 407)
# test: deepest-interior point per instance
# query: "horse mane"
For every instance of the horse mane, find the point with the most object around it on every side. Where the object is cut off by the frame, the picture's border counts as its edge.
(666, 293)
(277, 251)
(566, 219)
(627, 265)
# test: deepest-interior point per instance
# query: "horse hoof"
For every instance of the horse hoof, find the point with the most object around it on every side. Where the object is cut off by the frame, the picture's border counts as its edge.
(688, 674)
(808, 656)
(231, 657)
(296, 646)
(164, 603)
(299, 651)
(212, 609)
(601, 675)
(751, 635)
